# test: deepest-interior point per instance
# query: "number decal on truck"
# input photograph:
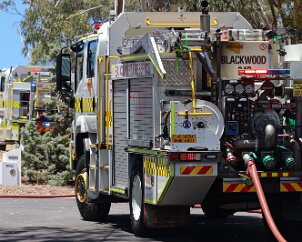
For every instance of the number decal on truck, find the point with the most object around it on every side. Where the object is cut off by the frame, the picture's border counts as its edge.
(184, 138)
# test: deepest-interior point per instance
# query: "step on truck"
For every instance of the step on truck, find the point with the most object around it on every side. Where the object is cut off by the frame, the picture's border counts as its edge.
(177, 109)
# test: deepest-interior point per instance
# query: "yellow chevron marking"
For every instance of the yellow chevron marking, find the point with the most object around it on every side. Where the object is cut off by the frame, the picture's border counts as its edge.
(238, 188)
(210, 171)
(282, 188)
(296, 187)
(195, 170)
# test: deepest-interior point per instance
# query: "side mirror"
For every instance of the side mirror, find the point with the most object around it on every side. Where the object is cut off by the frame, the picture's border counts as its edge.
(63, 71)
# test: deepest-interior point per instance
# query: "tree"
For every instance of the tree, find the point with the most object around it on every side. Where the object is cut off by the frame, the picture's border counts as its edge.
(49, 25)
(45, 157)
(34, 164)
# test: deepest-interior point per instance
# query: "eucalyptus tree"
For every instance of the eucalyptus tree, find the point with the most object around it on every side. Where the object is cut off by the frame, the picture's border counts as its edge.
(48, 25)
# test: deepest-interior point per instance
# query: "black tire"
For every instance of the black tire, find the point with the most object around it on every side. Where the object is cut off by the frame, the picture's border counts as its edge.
(137, 218)
(89, 211)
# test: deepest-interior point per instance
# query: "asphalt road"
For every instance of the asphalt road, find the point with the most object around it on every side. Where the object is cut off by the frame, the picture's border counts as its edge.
(58, 220)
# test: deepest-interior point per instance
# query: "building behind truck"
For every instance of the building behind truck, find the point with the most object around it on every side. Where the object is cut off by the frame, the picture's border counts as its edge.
(169, 114)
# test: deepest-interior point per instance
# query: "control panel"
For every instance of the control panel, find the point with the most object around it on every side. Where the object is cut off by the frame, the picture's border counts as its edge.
(236, 106)
(236, 113)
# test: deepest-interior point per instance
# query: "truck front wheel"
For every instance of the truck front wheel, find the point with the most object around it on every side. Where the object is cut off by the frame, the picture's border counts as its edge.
(136, 202)
(89, 211)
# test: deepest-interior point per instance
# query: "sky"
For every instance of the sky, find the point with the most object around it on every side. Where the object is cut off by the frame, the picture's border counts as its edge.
(10, 41)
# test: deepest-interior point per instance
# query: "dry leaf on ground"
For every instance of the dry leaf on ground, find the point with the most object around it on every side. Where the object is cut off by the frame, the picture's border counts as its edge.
(35, 189)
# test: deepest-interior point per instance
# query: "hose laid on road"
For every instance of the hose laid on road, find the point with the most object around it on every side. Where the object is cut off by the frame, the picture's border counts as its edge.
(252, 170)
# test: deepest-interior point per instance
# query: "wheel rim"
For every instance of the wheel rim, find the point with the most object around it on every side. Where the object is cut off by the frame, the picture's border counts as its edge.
(80, 187)
(136, 197)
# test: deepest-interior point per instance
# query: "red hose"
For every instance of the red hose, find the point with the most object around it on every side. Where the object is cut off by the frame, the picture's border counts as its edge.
(254, 175)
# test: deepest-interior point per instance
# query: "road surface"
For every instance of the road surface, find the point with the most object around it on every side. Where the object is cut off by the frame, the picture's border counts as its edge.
(58, 219)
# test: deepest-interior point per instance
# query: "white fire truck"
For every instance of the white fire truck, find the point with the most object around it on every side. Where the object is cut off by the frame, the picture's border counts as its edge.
(171, 108)
(24, 90)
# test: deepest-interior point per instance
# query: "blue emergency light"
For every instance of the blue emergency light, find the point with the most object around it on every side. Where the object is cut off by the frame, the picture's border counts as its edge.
(46, 124)
(278, 72)
(33, 86)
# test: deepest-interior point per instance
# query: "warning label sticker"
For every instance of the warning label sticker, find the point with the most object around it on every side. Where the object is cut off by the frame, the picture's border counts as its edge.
(184, 138)
(297, 88)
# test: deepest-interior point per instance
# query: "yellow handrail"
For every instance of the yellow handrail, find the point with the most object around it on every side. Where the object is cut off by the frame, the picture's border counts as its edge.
(148, 23)
(182, 114)
(108, 146)
(100, 83)
(192, 81)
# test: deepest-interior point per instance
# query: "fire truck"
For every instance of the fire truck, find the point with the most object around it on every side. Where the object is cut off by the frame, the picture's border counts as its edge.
(24, 90)
(177, 109)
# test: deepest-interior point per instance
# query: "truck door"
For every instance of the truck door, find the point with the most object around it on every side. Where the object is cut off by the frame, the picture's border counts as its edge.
(16, 104)
(24, 104)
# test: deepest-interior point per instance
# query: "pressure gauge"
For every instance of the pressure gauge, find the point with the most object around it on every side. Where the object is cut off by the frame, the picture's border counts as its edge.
(229, 89)
(249, 88)
(239, 88)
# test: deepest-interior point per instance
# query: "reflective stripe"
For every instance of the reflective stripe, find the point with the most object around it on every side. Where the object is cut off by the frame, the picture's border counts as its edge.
(85, 105)
(290, 186)
(156, 166)
(231, 187)
(271, 174)
(150, 201)
(88, 105)
(15, 126)
(196, 170)
(116, 190)
(77, 105)
(16, 104)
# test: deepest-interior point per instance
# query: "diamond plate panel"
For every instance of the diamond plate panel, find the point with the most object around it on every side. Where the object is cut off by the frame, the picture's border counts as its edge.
(174, 78)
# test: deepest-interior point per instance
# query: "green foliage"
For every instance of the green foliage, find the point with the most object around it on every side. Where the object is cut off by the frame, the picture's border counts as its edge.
(45, 157)
(49, 25)
(34, 164)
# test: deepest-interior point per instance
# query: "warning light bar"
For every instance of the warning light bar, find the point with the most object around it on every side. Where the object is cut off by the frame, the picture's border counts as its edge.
(251, 72)
(36, 70)
(264, 72)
